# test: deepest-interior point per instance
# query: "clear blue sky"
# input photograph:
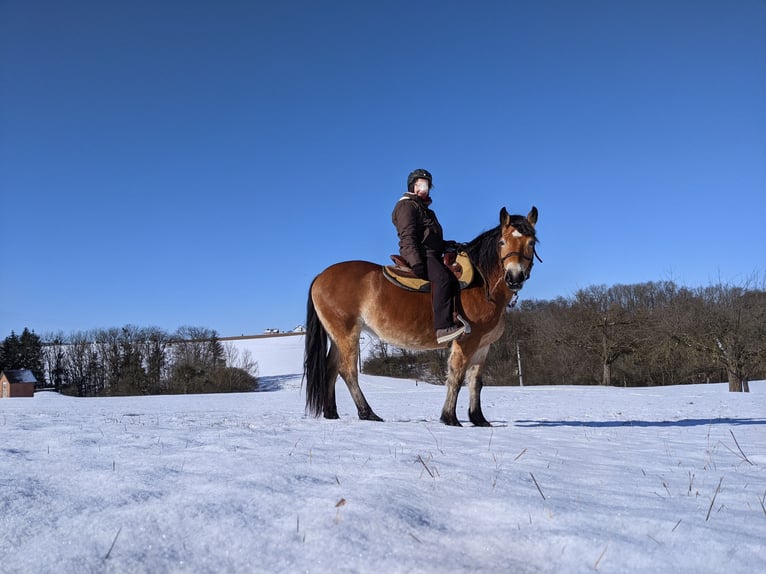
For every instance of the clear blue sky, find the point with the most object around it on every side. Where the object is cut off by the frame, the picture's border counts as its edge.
(198, 162)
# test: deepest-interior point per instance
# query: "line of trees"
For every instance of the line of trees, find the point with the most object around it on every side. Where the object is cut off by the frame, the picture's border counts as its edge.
(132, 361)
(648, 334)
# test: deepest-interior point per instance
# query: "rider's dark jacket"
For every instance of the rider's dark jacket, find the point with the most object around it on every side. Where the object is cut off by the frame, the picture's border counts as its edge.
(420, 233)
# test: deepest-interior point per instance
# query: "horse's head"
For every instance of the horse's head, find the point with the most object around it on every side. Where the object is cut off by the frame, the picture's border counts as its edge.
(517, 247)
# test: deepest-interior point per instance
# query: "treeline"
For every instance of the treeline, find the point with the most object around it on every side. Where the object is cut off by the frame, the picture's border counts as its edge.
(647, 334)
(132, 361)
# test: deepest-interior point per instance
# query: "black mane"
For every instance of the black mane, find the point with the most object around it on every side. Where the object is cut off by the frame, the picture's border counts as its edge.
(482, 251)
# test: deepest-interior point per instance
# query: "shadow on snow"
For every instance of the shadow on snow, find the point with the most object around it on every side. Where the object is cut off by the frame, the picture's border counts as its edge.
(639, 423)
(274, 383)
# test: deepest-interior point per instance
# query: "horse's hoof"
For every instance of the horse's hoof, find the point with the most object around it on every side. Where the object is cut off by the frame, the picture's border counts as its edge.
(370, 416)
(479, 420)
(451, 421)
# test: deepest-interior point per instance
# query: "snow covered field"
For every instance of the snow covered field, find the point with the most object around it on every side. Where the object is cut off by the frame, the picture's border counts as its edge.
(569, 479)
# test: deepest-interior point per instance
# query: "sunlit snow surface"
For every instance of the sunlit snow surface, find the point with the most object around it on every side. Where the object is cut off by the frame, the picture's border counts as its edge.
(569, 479)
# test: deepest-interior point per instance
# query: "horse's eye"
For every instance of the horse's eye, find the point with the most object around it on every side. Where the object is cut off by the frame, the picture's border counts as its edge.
(502, 242)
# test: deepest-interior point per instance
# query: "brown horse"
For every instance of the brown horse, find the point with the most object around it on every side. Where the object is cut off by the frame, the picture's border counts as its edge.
(352, 296)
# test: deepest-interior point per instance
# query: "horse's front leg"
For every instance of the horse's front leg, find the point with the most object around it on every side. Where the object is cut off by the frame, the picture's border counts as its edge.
(475, 385)
(455, 374)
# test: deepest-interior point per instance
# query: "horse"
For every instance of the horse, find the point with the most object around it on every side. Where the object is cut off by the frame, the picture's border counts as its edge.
(352, 296)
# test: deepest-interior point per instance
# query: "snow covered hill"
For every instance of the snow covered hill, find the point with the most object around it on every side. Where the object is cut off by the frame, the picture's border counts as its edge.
(569, 479)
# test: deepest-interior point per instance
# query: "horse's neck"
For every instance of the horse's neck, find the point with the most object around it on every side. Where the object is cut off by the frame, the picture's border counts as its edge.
(499, 291)
(497, 295)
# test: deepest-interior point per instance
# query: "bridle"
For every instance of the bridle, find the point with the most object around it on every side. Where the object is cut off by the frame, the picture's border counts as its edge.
(520, 255)
(528, 271)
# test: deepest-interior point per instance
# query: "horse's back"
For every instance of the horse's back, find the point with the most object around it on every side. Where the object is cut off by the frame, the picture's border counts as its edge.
(345, 286)
(345, 273)
(350, 268)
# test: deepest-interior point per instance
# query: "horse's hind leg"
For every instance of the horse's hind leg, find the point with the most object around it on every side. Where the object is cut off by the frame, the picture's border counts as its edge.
(349, 357)
(330, 408)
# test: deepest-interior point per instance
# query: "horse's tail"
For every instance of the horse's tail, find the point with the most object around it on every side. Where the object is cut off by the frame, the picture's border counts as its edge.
(315, 361)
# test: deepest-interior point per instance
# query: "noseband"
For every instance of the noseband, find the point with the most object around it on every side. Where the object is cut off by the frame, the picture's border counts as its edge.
(519, 254)
(522, 256)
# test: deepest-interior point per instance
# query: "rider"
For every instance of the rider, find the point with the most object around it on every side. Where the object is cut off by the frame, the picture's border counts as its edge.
(422, 245)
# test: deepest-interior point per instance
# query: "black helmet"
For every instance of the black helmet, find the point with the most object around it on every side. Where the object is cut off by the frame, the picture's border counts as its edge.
(417, 174)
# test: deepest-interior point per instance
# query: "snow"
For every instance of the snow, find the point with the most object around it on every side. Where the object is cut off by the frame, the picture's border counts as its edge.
(570, 479)
(279, 355)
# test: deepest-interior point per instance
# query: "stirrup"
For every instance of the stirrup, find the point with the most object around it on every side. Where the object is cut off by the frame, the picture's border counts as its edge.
(465, 323)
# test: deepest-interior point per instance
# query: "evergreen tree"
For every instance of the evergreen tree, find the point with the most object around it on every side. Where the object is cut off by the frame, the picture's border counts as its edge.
(25, 352)
(10, 352)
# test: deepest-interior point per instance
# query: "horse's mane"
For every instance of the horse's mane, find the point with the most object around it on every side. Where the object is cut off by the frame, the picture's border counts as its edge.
(483, 250)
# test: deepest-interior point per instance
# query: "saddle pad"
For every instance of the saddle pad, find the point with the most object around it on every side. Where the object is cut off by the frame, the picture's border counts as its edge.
(405, 280)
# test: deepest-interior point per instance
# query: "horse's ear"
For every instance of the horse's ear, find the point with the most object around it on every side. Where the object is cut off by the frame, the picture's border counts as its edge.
(505, 219)
(532, 216)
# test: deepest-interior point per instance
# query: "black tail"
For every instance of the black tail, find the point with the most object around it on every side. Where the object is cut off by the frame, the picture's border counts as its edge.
(315, 361)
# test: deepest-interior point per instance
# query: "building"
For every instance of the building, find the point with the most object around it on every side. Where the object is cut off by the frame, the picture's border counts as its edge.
(17, 383)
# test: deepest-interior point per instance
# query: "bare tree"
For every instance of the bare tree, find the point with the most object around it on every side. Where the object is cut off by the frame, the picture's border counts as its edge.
(725, 325)
(54, 359)
(240, 359)
(606, 326)
(155, 352)
(81, 363)
(197, 346)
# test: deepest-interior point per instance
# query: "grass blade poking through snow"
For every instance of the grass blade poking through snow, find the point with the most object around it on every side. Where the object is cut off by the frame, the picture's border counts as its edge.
(540, 490)
(109, 553)
(744, 457)
(712, 502)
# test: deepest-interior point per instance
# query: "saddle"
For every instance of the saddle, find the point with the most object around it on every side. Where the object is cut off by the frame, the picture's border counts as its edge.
(401, 275)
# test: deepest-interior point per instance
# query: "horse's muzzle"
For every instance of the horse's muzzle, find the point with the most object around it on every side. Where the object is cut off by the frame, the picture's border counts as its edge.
(515, 279)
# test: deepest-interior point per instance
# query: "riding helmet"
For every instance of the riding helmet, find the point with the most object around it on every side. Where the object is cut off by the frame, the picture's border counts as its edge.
(417, 174)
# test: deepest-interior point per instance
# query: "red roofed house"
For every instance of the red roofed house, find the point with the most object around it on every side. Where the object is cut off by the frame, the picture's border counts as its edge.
(18, 383)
